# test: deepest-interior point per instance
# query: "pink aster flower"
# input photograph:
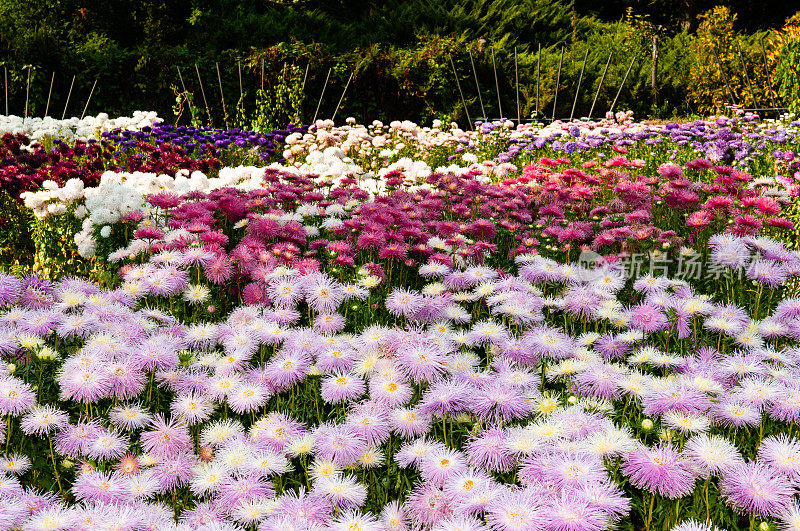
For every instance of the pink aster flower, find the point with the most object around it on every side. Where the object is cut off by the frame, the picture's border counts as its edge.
(660, 469)
(166, 438)
(756, 489)
(781, 453)
(100, 486)
(16, 397)
(403, 302)
(573, 512)
(342, 491)
(647, 318)
(427, 505)
(421, 363)
(500, 403)
(43, 420)
(408, 422)
(340, 443)
(75, 440)
(516, 510)
(488, 450)
(441, 464)
(712, 454)
(340, 387)
(219, 270)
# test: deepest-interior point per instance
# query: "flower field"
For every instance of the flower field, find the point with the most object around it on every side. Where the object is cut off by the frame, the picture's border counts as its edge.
(584, 326)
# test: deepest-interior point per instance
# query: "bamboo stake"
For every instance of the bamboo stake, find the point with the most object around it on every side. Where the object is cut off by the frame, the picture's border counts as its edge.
(5, 76)
(458, 84)
(516, 80)
(746, 75)
(203, 92)
(600, 85)
(622, 84)
(724, 77)
(766, 71)
(222, 96)
(477, 87)
(342, 97)
(497, 86)
(68, 95)
(241, 92)
(88, 99)
(558, 82)
(538, 76)
(305, 76)
(27, 93)
(50, 93)
(314, 120)
(578, 89)
(180, 76)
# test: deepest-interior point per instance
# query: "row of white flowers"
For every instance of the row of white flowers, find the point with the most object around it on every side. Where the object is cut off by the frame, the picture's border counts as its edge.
(74, 128)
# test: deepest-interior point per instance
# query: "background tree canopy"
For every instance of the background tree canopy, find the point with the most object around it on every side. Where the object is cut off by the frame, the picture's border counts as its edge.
(397, 51)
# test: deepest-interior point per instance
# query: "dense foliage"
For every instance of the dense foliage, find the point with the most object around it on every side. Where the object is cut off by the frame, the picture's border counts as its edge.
(397, 51)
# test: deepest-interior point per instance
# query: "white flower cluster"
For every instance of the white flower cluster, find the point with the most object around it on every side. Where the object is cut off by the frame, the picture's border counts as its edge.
(120, 193)
(74, 128)
(52, 200)
(330, 165)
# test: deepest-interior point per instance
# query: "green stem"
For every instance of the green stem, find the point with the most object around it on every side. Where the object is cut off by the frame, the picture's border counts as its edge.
(650, 512)
(55, 467)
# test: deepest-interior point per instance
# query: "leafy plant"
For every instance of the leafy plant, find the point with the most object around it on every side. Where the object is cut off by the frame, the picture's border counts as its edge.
(786, 52)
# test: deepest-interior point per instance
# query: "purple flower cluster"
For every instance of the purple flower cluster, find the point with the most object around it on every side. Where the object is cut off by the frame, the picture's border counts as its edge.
(204, 140)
